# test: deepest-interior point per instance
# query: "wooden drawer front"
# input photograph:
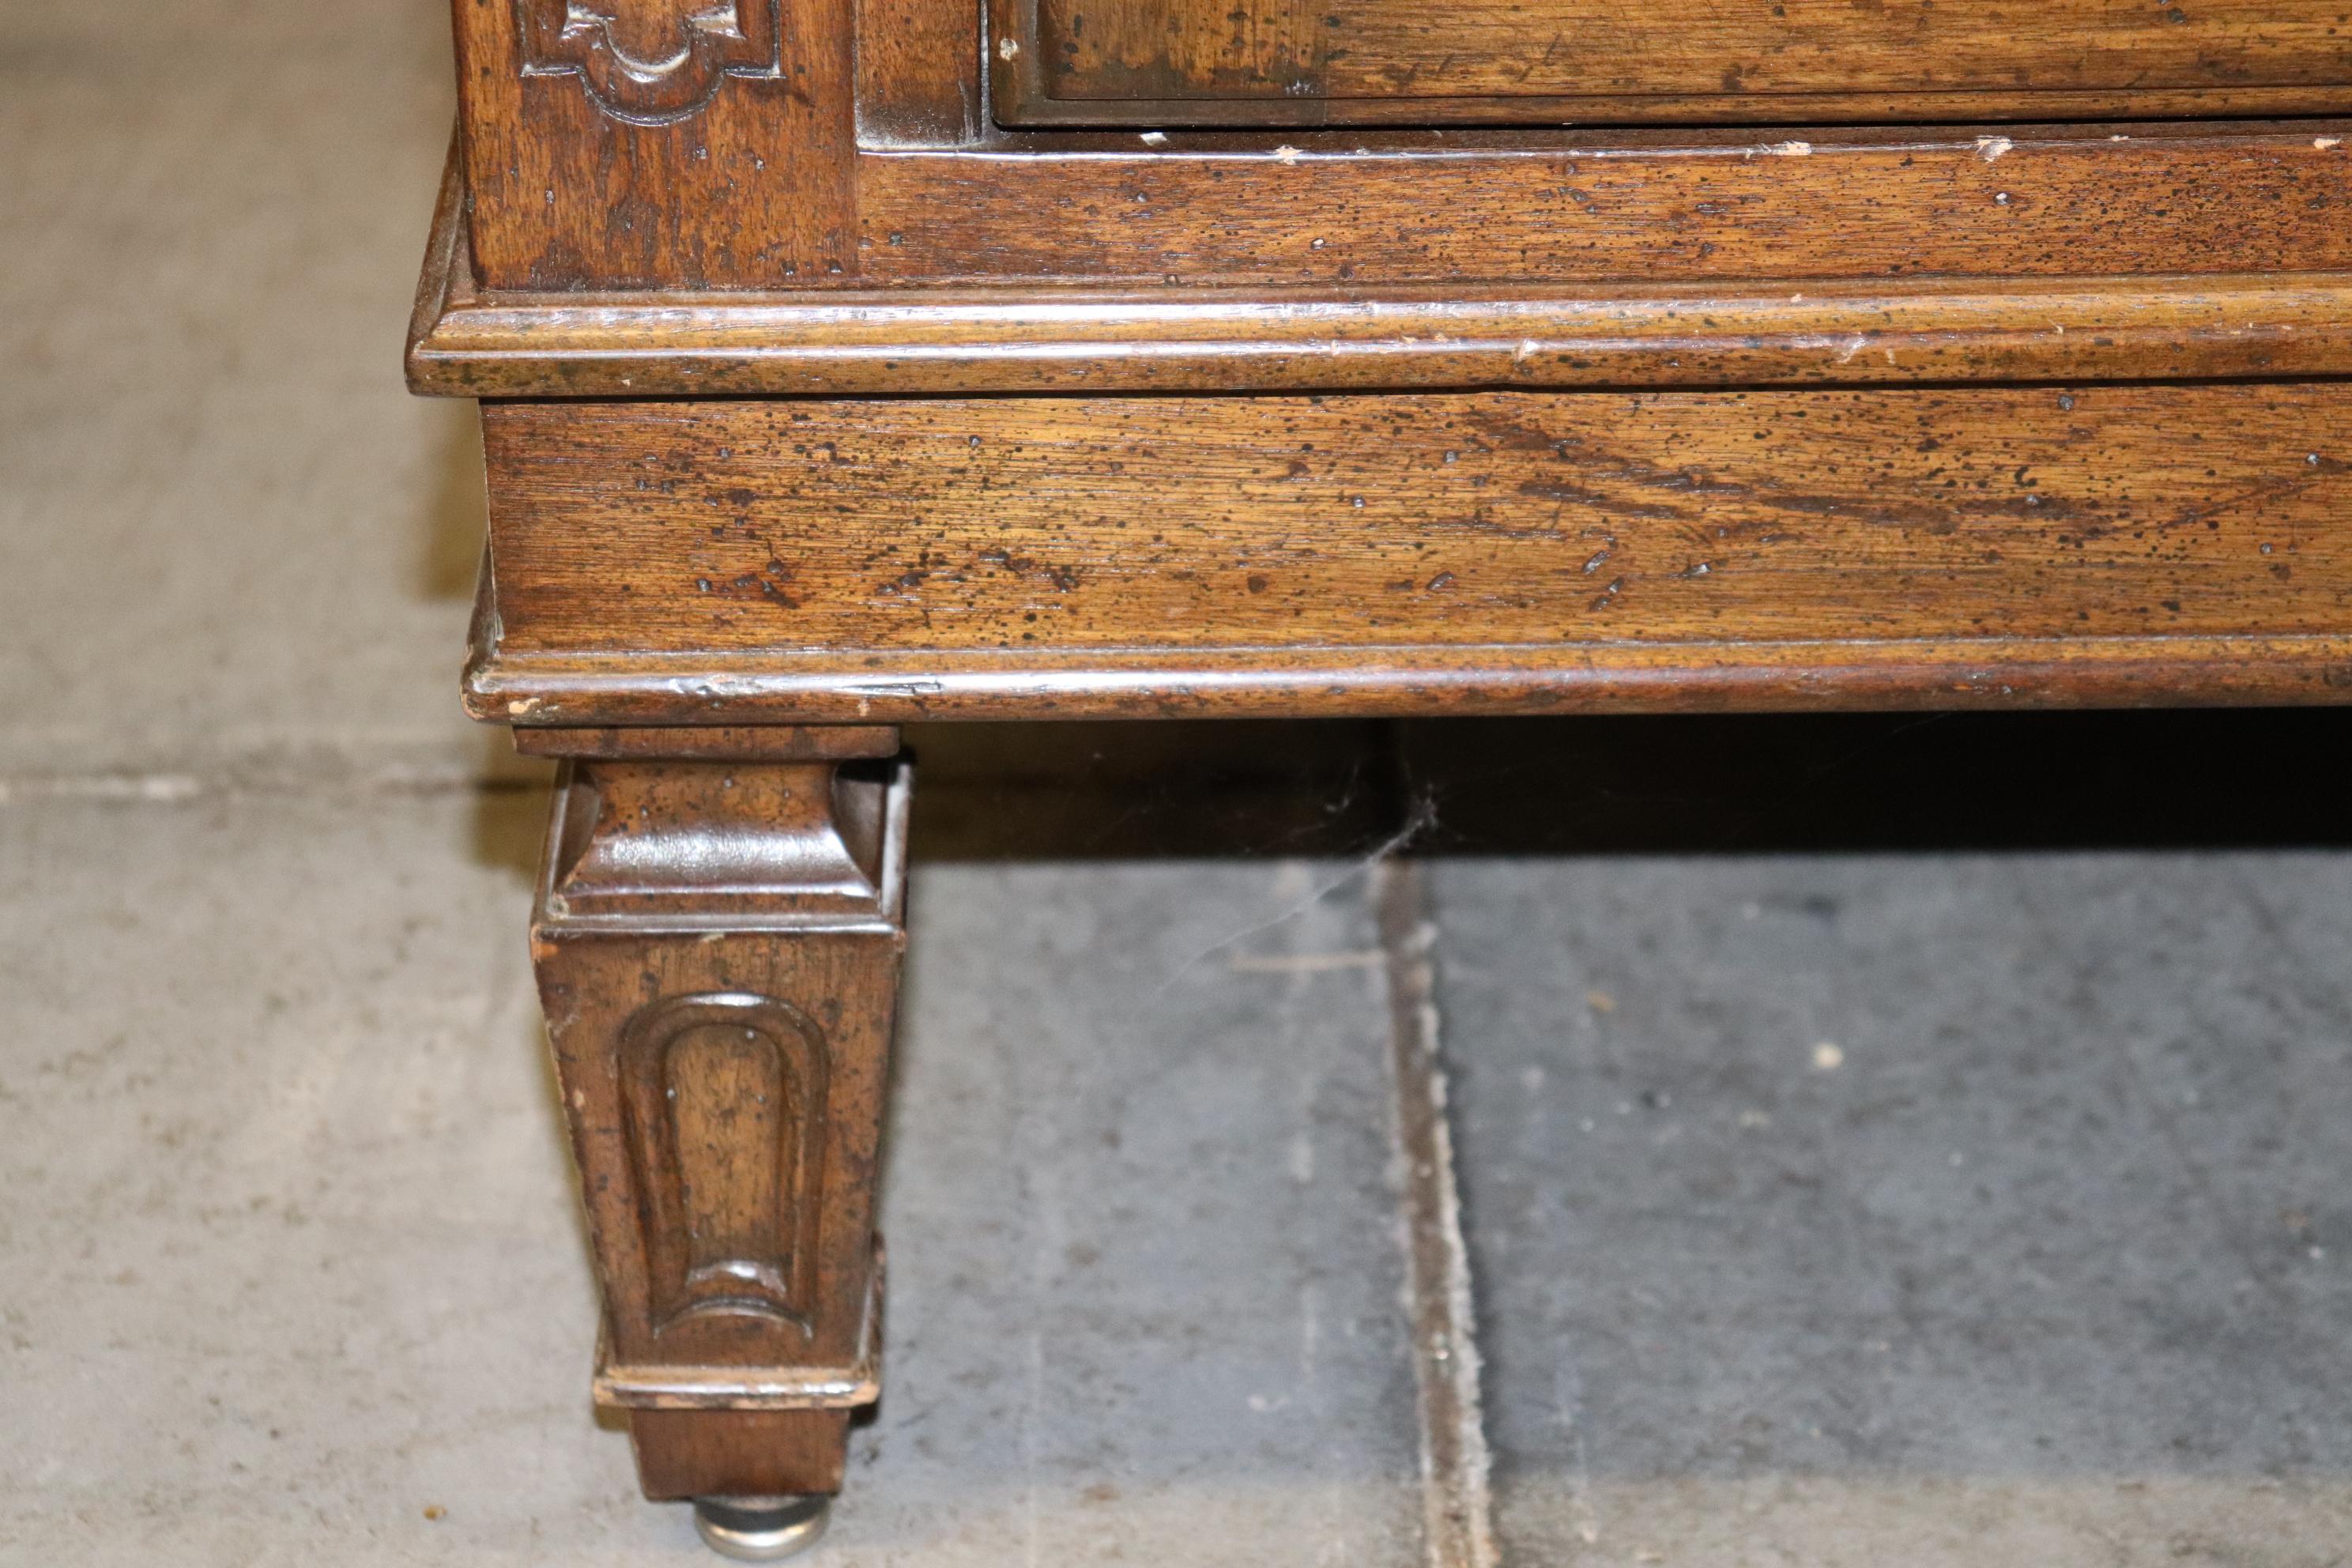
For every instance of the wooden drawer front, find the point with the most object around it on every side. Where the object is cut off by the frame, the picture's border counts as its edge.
(1542, 61)
(888, 560)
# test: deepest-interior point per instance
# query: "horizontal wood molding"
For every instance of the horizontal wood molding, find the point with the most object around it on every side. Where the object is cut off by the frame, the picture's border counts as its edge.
(2048, 320)
(738, 561)
(1422, 682)
(1793, 332)
(766, 743)
(1372, 209)
(854, 1382)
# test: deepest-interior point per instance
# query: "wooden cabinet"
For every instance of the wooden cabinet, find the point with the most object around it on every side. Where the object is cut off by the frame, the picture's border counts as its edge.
(848, 363)
(1532, 62)
(1394, 553)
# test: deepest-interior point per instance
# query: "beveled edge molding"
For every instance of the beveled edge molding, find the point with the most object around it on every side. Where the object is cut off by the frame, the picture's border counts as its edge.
(623, 1385)
(464, 342)
(1374, 682)
(752, 910)
(757, 743)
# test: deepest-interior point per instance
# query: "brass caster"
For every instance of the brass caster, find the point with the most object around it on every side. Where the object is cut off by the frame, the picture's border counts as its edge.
(760, 1529)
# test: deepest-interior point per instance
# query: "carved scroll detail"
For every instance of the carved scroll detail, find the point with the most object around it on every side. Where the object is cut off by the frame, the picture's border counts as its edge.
(651, 62)
(724, 1099)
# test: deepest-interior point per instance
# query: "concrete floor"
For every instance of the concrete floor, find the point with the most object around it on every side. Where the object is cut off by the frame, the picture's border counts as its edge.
(2044, 1261)
(1933, 1210)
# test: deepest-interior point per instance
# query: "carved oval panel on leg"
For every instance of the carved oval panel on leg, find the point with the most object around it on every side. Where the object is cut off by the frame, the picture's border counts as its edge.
(724, 1104)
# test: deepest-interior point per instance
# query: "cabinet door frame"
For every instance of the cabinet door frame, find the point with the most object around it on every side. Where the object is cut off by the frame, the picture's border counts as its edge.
(1027, 92)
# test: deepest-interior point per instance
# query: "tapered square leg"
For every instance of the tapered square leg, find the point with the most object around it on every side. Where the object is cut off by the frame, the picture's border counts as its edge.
(718, 942)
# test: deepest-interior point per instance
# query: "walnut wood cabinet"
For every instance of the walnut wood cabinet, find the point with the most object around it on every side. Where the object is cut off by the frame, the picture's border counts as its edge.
(846, 363)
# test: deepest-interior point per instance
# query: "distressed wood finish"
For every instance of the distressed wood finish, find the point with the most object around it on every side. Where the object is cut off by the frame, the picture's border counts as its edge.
(738, 1453)
(582, 164)
(1990, 204)
(1261, 269)
(1276, 63)
(748, 744)
(919, 72)
(761, 178)
(651, 62)
(646, 145)
(1457, 210)
(717, 946)
(979, 558)
(1800, 332)
(2011, 407)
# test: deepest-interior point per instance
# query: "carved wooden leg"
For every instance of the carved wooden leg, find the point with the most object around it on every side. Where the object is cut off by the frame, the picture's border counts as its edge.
(717, 938)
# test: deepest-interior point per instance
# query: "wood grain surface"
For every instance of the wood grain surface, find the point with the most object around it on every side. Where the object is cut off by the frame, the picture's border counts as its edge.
(887, 560)
(717, 946)
(754, 180)
(1534, 62)
(2057, 256)
(842, 143)
(849, 363)
(1562, 209)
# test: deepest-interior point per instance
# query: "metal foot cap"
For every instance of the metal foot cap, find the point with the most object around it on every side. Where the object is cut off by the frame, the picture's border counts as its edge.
(760, 1529)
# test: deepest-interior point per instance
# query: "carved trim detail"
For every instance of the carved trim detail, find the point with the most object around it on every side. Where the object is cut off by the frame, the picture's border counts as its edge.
(717, 944)
(728, 1210)
(830, 1386)
(651, 62)
(706, 846)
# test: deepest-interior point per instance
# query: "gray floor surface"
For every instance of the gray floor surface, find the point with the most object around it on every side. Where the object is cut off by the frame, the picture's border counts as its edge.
(1948, 1209)
(2043, 1261)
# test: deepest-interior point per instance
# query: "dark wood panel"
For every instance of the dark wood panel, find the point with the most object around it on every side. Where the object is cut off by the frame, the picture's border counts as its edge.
(737, 165)
(1439, 254)
(635, 143)
(919, 72)
(738, 1453)
(1448, 210)
(886, 561)
(1542, 61)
